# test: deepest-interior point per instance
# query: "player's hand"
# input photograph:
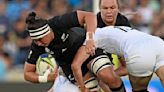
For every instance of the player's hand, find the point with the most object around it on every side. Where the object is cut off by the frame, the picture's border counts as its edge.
(84, 89)
(52, 76)
(90, 46)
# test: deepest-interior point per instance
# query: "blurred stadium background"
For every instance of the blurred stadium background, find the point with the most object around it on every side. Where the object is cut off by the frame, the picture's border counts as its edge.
(146, 15)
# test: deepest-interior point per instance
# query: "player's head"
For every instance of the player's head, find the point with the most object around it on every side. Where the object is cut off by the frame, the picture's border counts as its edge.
(109, 10)
(39, 30)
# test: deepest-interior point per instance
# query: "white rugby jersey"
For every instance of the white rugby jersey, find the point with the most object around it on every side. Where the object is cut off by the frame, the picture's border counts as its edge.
(119, 39)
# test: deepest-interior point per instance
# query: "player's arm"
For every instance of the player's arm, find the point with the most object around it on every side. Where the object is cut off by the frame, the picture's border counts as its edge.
(77, 19)
(30, 66)
(90, 20)
(79, 59)
(31, 75)
(121, 70)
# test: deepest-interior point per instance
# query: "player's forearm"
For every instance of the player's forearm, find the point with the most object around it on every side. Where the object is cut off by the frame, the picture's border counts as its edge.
(76, 68)
(91, 23)
(89, 19)
(79, 59)
(29, 73)
(31, 77)
(78, 76)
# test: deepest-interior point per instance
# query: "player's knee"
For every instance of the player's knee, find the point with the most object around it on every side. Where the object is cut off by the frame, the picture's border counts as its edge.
(109, 78)
(114, 82)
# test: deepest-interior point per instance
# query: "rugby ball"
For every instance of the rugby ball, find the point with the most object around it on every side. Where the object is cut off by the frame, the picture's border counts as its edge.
(44, 62)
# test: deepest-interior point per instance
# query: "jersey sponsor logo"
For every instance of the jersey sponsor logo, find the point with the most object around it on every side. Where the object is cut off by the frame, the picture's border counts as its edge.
(64, 37)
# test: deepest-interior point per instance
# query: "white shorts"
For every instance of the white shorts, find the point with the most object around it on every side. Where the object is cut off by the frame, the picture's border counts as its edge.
(145, 58)
(62, 84)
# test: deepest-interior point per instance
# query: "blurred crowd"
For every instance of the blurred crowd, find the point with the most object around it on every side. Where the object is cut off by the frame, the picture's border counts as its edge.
(145, 15)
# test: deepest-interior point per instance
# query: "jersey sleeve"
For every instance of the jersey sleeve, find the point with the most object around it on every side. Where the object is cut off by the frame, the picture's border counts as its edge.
(65, 21)
(34, 53)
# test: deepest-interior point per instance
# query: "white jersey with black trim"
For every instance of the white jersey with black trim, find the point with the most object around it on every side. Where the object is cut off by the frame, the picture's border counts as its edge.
(118, 39)
(143, 53)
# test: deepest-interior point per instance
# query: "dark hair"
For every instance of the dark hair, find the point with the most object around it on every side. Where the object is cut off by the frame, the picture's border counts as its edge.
(116, 0)
(33, 22)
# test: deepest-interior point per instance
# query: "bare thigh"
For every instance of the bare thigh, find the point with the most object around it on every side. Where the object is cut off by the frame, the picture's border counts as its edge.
(139, 83)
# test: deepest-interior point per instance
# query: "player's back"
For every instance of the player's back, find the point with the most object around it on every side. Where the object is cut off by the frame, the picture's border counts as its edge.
(109, 38)
(115, 39)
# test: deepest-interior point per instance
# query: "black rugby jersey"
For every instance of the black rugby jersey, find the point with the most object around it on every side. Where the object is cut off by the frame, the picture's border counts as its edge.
(61, 29)
(63, 50)
(68, 39)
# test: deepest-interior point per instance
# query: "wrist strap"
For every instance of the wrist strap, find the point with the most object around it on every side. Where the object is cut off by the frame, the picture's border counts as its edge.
(89, 35)
(42, 79)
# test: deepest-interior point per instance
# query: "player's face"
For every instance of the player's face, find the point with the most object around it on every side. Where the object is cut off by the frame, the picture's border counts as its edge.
(109, 11)
(45, 41)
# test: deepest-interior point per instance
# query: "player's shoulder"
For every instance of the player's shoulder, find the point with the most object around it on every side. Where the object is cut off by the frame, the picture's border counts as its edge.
(62, 21)
(122, 20)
